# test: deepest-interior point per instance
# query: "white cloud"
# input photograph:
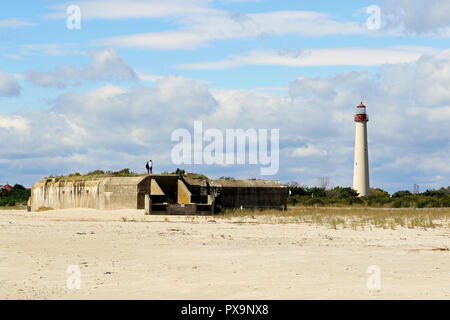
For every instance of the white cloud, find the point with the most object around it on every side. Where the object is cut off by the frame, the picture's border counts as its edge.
(8, 85)
(15, 23)
(356, 56)
(199, 30)
(163, 40)
(16, 123)
(133, 9)
(148, 77)
(105, 64)
(419, 17)
(52, 49)
(200, 24)
(13, 56)
(309, 151)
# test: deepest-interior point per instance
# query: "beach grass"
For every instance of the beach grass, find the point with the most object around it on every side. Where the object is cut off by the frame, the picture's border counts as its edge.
(341, 218)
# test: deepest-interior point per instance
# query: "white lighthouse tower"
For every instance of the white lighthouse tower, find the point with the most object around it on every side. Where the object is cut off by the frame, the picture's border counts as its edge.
(361, 164)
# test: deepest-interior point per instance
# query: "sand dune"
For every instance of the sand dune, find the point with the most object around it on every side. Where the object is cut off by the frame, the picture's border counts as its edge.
(126, 255)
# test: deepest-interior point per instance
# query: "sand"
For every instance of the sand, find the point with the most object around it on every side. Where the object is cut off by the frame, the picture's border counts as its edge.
(168, 257)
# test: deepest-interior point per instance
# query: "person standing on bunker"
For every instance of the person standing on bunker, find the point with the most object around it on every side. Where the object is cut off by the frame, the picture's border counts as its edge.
(149, 166)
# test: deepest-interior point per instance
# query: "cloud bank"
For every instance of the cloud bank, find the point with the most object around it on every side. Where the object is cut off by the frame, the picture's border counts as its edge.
(420, 17)
(350, 56)
(106, 64)
(112, 127)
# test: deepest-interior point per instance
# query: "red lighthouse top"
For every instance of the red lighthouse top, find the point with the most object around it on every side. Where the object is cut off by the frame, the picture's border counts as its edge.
(361, 115)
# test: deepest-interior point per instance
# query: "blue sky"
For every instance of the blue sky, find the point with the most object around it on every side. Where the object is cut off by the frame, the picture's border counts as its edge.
(109, 95)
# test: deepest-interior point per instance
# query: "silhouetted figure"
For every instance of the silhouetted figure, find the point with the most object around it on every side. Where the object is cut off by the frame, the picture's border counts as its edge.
(149, 166)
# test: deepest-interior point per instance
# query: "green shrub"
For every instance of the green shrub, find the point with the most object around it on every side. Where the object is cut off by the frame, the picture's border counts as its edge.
(445, 202)
(354, 200)
(292, 201)
(18, 195)
(400, 194)
(441, 193)
(94, 173)
(314, 202)
(339, 196)
(76, 174)
(317, 192)
(341, 193)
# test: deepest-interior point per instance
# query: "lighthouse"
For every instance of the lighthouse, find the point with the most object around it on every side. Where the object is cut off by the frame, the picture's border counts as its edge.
(361, 163)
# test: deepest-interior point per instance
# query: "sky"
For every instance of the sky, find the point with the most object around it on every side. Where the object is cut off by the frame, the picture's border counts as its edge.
(108, 93)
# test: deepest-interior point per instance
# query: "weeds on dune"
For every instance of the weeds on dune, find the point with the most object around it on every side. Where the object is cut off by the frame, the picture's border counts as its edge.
(333, 224)
(125, 219)
(421, 221)
(16, 207)
(341, 218)
(41, 209)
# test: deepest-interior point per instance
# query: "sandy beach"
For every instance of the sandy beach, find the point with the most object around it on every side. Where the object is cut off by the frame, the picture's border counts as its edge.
(126, 255)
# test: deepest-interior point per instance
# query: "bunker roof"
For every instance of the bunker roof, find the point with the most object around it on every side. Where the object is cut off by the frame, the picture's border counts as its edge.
(235, 183)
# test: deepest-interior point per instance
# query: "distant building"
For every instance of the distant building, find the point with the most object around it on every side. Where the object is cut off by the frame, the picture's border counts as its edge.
(159, 194)
(6, 187)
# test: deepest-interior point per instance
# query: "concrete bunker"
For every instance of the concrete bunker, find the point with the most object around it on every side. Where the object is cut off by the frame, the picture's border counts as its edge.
(157, 194)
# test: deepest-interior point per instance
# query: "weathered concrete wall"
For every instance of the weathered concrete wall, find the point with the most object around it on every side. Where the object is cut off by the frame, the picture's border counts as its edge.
(263, 198)
(184, 195)
(143, 189)
(64, 194)
(155, 189)
(181, 209)
(107, 193)
(263, 194)
(125, 192)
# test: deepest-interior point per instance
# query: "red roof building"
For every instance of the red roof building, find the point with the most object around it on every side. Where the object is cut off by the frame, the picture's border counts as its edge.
(7, 187)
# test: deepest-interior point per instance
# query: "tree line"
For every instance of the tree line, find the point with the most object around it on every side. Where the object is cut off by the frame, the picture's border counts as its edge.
(17, 196)
(344, 196)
